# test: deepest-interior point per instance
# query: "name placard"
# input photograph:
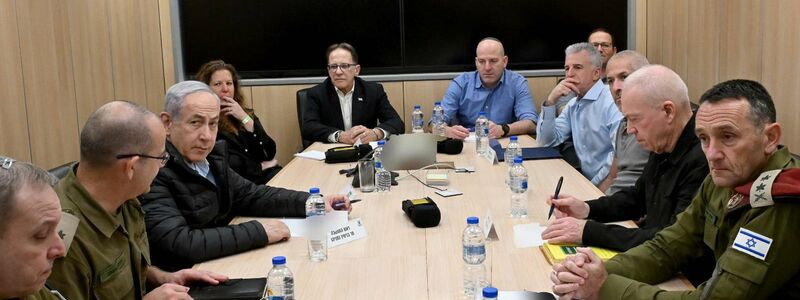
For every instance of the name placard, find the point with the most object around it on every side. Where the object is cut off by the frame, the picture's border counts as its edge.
(349, 232)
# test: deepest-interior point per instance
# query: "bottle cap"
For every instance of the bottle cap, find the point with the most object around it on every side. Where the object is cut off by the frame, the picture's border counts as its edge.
(482, 113)
(377, 165)
(472, 220)
(417, 107)
(279, 260)
(518, 160)
(381, 142)
(489, 292)
(314, 190)
(437, 103)
(513, 137)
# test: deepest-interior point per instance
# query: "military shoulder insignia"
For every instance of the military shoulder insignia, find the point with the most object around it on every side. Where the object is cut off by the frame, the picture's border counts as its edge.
(66, 228)
(761, 190)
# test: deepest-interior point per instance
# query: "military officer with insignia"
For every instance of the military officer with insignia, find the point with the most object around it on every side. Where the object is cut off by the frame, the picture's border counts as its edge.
(745, 214)
(121, 151)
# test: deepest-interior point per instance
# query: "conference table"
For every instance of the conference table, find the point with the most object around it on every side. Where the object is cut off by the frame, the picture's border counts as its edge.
(399, 261)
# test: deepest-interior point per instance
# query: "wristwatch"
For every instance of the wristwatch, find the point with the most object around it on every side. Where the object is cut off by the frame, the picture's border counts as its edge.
(506, 129)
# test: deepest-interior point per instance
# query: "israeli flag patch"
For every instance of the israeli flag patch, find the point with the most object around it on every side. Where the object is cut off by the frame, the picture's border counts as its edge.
(752, 243)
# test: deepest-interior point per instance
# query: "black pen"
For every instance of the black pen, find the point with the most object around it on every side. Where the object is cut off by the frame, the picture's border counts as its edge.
(555, 196)
(338, 205)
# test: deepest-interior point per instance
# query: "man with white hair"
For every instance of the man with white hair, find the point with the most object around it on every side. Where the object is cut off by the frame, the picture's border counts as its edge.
(590, 118)
(196, 194)
(659, 115)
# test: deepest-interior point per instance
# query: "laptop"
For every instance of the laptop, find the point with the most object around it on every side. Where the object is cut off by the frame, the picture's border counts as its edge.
(409, 151)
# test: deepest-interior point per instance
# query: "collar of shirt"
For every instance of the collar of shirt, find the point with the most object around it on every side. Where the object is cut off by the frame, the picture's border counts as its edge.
(201, 167)
(94, 213)
(686, 142)
(595, 92)
(480, 81)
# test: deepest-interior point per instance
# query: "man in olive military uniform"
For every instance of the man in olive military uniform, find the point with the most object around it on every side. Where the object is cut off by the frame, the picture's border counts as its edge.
(121, 151)
(745, 213)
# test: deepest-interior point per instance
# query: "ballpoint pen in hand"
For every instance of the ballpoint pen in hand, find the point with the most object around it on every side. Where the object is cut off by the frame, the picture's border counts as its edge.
(555, 196)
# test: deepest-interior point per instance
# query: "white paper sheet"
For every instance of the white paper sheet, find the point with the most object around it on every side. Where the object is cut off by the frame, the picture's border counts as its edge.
(312, 154)
(528, 235)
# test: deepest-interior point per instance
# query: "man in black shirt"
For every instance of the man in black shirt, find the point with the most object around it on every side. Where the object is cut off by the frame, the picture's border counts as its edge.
(656, 104)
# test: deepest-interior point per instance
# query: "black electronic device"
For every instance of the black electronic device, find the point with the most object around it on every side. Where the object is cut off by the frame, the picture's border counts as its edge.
(449, 146)
(423, 212)
(347, 153)
(233, 289)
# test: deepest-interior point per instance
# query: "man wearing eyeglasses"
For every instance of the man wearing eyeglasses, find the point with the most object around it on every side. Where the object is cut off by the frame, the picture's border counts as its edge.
(602, 39)
(196, 194)
(344, 108)
(121, 151)
(502, 94)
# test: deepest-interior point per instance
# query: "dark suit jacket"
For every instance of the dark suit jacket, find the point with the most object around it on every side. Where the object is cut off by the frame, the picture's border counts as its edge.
(323, 114)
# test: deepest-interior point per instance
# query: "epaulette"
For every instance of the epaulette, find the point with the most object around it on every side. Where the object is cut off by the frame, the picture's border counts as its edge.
(782, 185)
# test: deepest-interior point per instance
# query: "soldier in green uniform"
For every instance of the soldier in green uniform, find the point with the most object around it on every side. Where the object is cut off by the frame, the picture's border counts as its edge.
(122, 149)
(29, 240)
(745, 214)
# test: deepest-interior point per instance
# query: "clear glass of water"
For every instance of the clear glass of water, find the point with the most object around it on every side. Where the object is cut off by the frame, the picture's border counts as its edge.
(366, 175)
(318, 249)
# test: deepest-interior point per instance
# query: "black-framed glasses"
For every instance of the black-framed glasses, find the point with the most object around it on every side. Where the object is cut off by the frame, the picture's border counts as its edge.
(333, 67)
(163, 159)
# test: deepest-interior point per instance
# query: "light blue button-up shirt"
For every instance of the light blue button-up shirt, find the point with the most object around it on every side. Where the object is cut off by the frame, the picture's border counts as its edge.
(509, 101)
(592, 123)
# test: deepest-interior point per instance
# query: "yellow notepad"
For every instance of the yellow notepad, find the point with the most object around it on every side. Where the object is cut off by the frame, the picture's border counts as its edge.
(557, 253)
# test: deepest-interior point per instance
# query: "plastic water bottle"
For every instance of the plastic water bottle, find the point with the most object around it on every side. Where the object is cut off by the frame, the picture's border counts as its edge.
(519, 189)
(280, 281)
(437, 119)
(315, 205)
(377, 155)
(482, 140)
(383, 179)
(489, 293)
(474, 253)
(417, 119)
(513, 150)
(481, 122)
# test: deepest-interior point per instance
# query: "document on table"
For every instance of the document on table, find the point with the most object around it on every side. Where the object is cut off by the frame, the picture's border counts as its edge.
(528, 235)
(312, 154)
(304, 227)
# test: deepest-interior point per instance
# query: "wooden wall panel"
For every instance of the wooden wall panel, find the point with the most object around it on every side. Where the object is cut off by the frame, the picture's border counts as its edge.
(540, 88)
(655, 26)
(702, 70)
(166, 42)
(740, 39)
(14, 140)
(151, 54)
(641, 27)
(126, 50)
(48, 81)
(781, 65)
(423, 93)
(394, 90)
(674, 36)
(91, 58)
(276, 107)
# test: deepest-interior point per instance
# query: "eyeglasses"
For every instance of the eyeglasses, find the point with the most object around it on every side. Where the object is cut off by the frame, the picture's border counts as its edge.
(603, 45)
(333, 67)
(163, 159)
(6, 162)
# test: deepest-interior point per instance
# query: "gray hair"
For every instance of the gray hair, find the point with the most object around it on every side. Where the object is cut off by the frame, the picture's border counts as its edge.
(115, 128)
(594, 55)
(173, 100)
(660, 84)
(635, 59)
(14, 176)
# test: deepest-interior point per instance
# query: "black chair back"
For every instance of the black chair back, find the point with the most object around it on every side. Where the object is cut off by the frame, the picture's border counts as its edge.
(62, 171)
(302, 97)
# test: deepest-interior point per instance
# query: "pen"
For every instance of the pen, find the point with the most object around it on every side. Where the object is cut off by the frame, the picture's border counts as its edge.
(338, 205)
(555, 196)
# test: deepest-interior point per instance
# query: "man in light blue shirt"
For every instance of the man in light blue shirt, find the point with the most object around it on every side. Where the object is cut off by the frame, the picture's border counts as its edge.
(502, 94)
(591, 118)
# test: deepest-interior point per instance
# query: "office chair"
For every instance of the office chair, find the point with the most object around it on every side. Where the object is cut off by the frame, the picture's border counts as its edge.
(302, 97)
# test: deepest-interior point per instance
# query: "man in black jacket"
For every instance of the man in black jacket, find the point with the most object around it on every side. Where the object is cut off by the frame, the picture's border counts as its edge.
(345, 108)
(196, 195)
(656, 104)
